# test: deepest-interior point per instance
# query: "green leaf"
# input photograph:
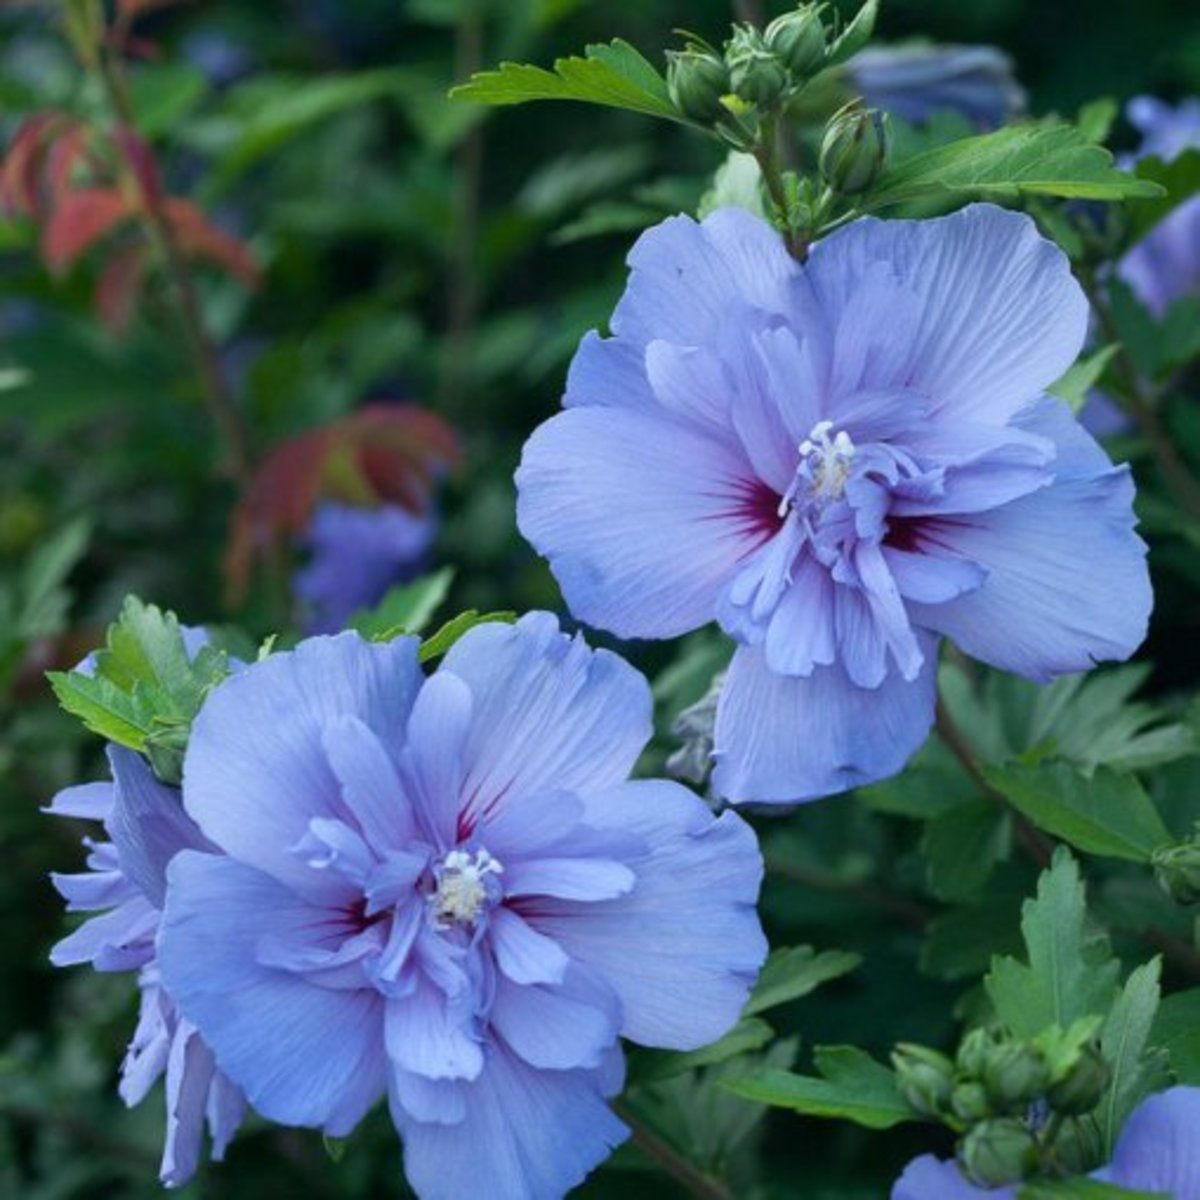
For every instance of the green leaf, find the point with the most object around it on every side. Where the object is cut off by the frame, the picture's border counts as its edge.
(855, 36)
(1179, 179)
(1071, 971)
(962, 846)
(853, 1086)
(43, 600)
(1177, 1030)
(1109, 814)
(438, 643)
(1037, 160)
(106, 709)
(1123, 1042)
(796, 971)
(1095, 120)
(164, 94)
(407, 608)
(1073, 387)
(1082, 1189)
(750, 1033)
(614, 75)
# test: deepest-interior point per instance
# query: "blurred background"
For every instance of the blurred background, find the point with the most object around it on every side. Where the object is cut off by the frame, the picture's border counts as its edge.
(341, 235)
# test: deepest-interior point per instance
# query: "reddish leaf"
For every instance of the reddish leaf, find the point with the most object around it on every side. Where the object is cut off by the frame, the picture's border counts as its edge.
(81, 220)
(141, 162)
(20, 174)
(119, 287)
(67, 151)
(383, 453)
(130, 10)
(200, 238)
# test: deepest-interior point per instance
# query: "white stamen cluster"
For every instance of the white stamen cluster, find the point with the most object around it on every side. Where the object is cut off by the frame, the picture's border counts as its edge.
(829, 461)
(462, 891)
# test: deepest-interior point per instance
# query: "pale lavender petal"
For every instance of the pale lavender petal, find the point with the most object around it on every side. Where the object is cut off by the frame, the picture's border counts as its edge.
(1158, 1150)
(190, 1070)
(927, 1178)
(370, 785)
(87, 801)
(424, 1037)
(438, 731)
(522, 954)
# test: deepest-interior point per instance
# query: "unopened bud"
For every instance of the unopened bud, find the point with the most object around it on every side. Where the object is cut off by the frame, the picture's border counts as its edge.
(1079, 1089)
(755, 74)
(969, 1101)
(998, 1152)
(797, 39)
(696, 81)
(1014, 1075)
(1177, 869)
(973, 1052)
(924, 1077)
(854, 151)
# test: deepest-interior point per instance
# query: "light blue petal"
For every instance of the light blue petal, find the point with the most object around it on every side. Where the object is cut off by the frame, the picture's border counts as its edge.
(303, 1054)
(148, 824)
(530, 1134)
(523, 954)
(781, 740)
(426, 1038)
(643, 518)
(927, 1178)
(1001, 317)
(120, 940)
(438, 730)
(682, 949)
(190, 1073)
(256, 771)
(370, 786)
(549, 714)
(87, 801)
(1067, 583)
(585, 879)
(1158, 1150)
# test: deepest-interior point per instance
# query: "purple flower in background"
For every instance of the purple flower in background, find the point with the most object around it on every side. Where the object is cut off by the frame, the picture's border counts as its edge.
(445, 889)
(1165, 265)
(916, 81)
(356, 555)
(1157, 1152)
(839, 462)
(126, 881)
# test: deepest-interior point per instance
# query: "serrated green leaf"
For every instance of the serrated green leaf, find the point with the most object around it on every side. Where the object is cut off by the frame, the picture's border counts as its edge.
(1109, 814)
(1071, 972)
(406, 609)
(106, 709)
(1073, 387)
(796, 971)
(1082, 1189)
(1032, 160)
(1123, 1042)
(853, 1087)
(438, 643)
(962, 846)
(614, 75)
(855, 36)
(145, 649)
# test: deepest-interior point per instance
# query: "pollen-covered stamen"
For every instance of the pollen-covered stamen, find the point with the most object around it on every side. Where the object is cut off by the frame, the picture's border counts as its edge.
(462, 887)
(825, 465)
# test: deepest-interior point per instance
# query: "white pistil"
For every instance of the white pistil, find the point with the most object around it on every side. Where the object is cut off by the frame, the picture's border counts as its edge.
(462, 887)
(828, 460)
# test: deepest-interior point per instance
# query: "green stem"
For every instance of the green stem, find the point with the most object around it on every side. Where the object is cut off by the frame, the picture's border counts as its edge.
(693, 1180)
(766, 153)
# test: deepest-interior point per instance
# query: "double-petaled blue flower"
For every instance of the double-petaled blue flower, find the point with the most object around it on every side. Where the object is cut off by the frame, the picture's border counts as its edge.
(1157, 1152)
(126, 882)
(447, 891)
(356, 554)
(839, 462)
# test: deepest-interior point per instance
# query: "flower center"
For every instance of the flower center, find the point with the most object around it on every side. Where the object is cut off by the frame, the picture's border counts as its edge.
(462, 887)
(825, 465)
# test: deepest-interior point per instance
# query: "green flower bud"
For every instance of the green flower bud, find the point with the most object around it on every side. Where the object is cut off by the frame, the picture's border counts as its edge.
(1015, 1075)
(797, 39)
(924, 1078)
(696, 81)
(1080, 1087)
(1177, 869)
(969, 1101)
(973, 1052)
(854, 151)
(997, 1152)
(755, 74)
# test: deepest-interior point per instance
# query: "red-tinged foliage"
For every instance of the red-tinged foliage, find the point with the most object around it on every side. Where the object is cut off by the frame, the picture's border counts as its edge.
(385, 453)
(82, 218)
(40, 164)
(120, 286)
(140, 158)
(198, 237)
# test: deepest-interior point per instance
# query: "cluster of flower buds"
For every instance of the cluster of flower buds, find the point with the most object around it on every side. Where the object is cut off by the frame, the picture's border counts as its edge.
(1177, 869)
(1000, 1090)
(855, 148)
(759, 69)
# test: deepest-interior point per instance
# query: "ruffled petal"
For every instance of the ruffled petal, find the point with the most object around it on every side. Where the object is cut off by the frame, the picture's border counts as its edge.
(425, 1037)
(1067, 584)
(643, 518)
(549, 713)
(303, 1054)
(682, 949)
(782, 740)
(256, 772)
(530, 1134)
(1001, 317)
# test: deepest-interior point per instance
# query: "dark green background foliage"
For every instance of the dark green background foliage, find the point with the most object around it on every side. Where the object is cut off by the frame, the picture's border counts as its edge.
(453, 255)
